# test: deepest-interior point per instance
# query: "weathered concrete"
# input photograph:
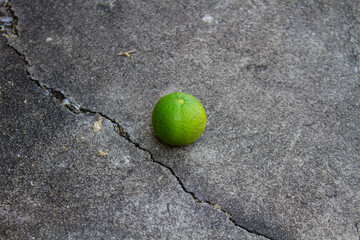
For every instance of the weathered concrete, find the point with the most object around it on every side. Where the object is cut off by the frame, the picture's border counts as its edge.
(279, 81)
(56, 184)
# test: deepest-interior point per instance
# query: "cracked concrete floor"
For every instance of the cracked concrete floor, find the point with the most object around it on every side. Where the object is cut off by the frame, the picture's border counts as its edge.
(62, 179)
(279, 158)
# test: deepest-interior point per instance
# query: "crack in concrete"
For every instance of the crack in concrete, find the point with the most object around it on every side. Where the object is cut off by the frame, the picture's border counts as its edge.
(352, 39)
(7, 25)
(78, 110)
(74, 108)
(355, 44)
(357, 225)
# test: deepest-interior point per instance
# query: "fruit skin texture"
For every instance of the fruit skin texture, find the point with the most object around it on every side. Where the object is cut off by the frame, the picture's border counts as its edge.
(178, 119)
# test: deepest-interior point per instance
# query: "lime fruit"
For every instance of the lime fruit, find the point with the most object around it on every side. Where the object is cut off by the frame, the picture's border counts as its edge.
(178, 119)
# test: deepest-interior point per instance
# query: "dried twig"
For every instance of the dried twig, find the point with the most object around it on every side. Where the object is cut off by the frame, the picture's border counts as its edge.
(126, 53)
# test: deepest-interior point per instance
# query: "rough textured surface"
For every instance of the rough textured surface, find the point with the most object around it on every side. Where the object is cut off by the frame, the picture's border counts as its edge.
(55, 185)
(279, 81)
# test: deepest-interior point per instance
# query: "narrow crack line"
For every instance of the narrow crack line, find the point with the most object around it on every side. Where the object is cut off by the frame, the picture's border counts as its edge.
(56, 94)
(355, 42)
(357, 226)
(124, 134)
(8, 8)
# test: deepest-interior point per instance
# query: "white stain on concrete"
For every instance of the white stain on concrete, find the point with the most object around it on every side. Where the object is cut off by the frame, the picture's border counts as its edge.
(127, 159)
(208, 18)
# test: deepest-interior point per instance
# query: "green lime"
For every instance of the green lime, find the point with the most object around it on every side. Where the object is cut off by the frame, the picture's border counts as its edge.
(178, 119)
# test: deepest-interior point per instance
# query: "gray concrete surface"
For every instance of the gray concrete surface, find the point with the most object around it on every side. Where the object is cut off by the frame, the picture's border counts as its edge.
(279, 81)
(61, 178)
